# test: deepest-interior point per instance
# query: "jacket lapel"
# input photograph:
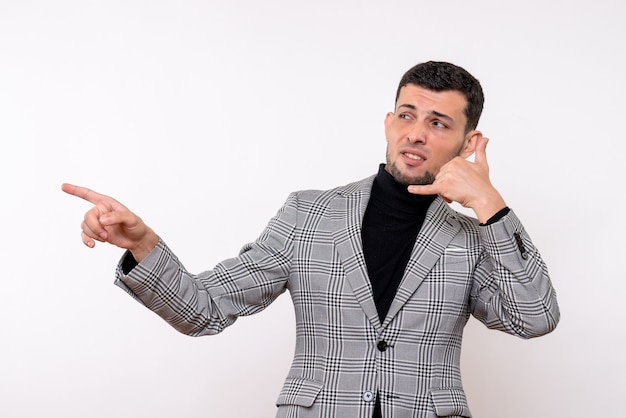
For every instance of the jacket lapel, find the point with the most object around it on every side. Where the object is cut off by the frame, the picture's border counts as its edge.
(439, 228)
(347, 211)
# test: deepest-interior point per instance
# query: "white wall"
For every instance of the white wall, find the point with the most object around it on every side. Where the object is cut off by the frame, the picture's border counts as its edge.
(202, 116)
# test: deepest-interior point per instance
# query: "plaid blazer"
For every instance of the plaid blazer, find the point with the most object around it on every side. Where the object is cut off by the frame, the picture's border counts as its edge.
(345, 357)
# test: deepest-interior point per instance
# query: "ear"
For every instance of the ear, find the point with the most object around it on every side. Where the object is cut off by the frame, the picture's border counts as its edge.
(388, 121)
(471, 140)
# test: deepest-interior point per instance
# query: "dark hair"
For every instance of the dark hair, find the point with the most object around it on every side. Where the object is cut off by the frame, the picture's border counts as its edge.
(443, 76)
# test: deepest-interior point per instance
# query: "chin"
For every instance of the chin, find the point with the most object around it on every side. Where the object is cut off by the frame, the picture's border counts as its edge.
(407, 179)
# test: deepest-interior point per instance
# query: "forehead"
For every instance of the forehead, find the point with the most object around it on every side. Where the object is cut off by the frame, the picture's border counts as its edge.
(450, 102)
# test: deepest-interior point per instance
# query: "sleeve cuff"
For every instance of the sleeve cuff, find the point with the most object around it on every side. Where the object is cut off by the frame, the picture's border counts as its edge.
(128, 263)
(495, 218)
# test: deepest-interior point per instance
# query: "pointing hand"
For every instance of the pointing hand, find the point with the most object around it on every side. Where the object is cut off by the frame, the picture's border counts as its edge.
(110, 221)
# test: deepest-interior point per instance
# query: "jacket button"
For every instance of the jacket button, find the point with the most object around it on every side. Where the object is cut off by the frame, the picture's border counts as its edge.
(382, 345)
(368, 396)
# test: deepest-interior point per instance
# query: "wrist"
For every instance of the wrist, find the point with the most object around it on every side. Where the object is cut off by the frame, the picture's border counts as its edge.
(145, 246)
(490, 207)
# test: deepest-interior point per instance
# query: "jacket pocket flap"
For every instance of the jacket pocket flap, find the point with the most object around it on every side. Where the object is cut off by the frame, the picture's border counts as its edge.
(298, 391)
(450, 402)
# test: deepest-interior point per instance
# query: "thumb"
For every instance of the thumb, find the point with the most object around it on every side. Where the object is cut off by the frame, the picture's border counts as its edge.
(481, 151)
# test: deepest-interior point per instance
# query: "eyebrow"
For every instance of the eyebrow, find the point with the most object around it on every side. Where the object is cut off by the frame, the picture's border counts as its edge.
(432, 112)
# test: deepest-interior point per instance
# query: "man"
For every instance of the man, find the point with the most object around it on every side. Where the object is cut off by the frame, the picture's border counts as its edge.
(383, 274)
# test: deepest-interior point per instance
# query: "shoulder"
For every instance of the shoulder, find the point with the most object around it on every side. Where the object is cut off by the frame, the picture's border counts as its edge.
(356, 189)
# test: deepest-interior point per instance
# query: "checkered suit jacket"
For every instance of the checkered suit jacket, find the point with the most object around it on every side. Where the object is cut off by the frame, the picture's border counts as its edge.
(344, 355)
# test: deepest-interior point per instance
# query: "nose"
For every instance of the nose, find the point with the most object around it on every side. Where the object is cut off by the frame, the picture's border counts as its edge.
(417, 134)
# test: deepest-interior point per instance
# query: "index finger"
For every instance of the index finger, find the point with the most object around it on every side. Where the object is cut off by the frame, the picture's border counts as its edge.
(82, 192)
(423, 189)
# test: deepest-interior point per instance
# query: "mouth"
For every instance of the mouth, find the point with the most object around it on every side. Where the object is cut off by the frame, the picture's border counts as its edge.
(413, 156)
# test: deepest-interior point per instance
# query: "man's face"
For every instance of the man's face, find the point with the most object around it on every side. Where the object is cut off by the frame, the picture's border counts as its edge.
(426, 131)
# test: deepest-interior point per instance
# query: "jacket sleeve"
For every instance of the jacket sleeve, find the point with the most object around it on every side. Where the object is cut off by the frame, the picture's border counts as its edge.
(512, 290)
(206, 303)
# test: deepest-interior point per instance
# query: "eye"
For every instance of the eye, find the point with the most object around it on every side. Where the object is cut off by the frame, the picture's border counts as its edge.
(439, 124)
(404, 116)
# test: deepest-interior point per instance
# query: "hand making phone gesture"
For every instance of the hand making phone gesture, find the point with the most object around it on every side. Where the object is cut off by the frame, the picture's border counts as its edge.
(467, 183)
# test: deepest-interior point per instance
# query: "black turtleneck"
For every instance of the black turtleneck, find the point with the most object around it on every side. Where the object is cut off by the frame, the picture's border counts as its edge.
(392, 220)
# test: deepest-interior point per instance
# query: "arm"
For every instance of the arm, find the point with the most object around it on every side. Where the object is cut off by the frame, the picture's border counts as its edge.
(193, 304)
(512, 291)
(206, 303)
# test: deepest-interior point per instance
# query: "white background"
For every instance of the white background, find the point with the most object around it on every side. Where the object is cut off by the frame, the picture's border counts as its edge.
(202, 116)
